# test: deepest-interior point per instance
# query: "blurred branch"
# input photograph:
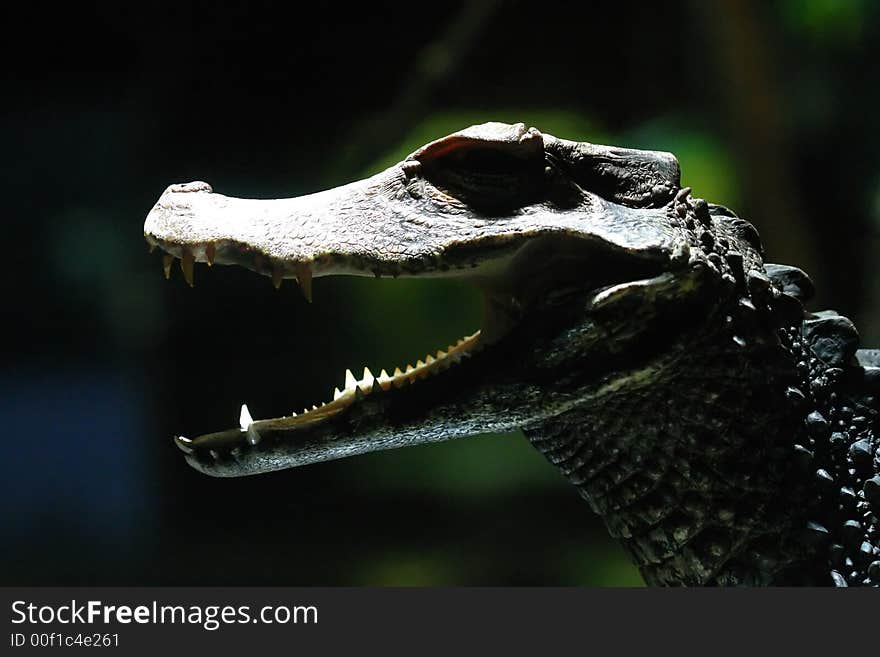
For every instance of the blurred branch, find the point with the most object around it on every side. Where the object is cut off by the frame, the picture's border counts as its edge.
(432, 68)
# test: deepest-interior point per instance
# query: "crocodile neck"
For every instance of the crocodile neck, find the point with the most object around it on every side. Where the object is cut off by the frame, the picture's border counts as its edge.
(690, 472)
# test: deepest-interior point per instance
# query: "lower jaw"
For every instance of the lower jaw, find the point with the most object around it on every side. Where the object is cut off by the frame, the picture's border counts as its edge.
(251, 430)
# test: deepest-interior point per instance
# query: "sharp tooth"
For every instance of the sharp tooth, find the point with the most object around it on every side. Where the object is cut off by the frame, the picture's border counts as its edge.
(244, 418)
(441, 354)
(167, 261)
(184, 443)
(247, 424)
(420, 363)
(304, 278)
(384, 380)
(429, 359)
(366, 382)
(210, 253)
(409, 368)
(151, 247)
(276, 275)
(337, 393)
(187, 263)
(397, 372)
(350, 381)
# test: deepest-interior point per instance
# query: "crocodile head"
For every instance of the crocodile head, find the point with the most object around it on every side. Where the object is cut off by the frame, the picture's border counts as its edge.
(591, 261)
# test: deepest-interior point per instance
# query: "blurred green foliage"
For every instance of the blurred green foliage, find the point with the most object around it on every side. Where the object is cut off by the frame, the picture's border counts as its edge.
(831, 22)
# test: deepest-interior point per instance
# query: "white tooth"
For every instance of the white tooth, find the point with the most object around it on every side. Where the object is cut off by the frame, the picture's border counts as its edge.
(441, 354)
(337, 393)
(429, 359)
(244, 419)
(184, 444)
(350, 381)
(420, 363)
(384, 380)
(366, 383)
(247, 424)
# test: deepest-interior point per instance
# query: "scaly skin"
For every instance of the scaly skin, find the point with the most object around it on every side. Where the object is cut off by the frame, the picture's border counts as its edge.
(632, 331)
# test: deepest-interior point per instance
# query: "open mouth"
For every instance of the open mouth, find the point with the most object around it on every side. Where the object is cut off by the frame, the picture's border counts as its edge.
(537, 269)
(502, 313)
(251, 431)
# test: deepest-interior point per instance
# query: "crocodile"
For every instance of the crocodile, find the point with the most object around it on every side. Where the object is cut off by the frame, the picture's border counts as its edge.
(725, 434)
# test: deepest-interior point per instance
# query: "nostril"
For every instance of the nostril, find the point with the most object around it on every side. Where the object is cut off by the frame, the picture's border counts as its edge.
(195, 186)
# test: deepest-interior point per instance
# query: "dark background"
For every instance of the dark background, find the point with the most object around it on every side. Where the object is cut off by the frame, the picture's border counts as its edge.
(770, 107)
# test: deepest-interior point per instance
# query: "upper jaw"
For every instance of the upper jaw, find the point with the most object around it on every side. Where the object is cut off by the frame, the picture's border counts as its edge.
(451, 205)
(392, 224)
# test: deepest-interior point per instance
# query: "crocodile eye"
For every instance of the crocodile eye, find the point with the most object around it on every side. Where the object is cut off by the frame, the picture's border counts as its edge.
(489, 173)
(487, 179)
